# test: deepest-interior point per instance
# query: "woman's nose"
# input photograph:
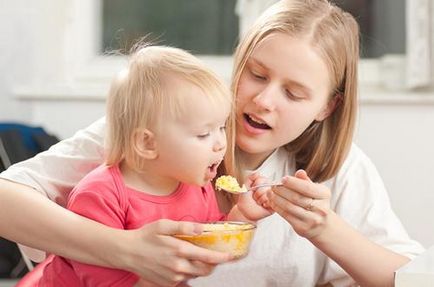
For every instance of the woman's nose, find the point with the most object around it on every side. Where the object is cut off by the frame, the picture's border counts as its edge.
(265, 100)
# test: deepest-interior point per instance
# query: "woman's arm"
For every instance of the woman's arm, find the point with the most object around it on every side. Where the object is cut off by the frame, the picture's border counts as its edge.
(368, 263)
(32, 214)
(306, 206)
(31, 219)
(53, 173)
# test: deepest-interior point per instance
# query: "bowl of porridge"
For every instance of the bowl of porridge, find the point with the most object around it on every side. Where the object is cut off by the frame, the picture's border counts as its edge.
(225, 236)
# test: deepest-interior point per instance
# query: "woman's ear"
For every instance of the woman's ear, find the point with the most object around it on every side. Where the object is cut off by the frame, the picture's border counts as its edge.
(330, 108)
(145, 144)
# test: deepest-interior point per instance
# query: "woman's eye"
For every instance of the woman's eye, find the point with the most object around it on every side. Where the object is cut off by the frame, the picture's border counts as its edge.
(258, 75)
(223, 128)
(291, 95)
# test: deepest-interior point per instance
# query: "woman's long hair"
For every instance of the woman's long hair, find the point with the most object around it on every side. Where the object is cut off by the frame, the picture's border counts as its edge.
(322, 148)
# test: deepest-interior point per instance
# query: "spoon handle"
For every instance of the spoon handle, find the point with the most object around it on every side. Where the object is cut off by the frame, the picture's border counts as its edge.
(265, 185)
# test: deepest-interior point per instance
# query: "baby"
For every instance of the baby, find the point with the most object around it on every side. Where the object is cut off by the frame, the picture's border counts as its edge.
(168, 120)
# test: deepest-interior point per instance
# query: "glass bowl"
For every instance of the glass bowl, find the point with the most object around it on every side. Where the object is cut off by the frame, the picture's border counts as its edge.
(226, 236)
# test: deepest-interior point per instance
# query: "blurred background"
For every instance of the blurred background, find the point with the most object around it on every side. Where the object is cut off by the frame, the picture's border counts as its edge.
(57, 58)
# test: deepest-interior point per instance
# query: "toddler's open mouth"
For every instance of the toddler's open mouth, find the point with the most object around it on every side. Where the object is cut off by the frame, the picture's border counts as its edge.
(212, 169)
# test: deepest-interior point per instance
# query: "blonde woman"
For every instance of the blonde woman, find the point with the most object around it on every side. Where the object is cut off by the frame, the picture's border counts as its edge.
(295, 84)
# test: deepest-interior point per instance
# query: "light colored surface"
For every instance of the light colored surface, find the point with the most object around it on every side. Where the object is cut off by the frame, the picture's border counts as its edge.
(419, 272)
(7, 283)
(400, 141)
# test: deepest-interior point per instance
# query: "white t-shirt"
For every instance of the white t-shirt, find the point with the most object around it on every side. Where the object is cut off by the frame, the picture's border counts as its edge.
(278, 256)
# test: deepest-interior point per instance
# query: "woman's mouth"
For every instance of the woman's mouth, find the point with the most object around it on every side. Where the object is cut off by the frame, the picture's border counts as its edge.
(256, 123)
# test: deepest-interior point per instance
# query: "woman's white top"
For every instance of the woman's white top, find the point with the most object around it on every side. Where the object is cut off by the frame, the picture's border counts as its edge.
(278, 256)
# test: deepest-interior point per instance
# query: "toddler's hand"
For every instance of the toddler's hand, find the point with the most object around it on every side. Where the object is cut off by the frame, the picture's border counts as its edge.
(254, 204)
(260, 195)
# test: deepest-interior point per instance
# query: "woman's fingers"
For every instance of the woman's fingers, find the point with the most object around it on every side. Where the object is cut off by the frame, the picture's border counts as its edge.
(192, 252)
(303, 187)
(203, 268)
(301, 173)
(166, 260)
(290, 196)
(289, 209)
(303, 203)
(184, 249)
(170, 227)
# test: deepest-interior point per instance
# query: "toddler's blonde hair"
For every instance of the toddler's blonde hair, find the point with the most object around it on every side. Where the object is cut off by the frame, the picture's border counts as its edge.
(140, 98)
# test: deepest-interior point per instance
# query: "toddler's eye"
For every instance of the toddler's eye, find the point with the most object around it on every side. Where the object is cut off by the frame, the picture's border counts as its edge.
(204, 135)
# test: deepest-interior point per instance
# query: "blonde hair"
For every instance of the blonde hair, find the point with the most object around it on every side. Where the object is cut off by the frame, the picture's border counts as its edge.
(323, 146)
(140, 95)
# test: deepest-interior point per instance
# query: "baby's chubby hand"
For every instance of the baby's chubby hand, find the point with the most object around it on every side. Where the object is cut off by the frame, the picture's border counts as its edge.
(254, 204)
(260, 195)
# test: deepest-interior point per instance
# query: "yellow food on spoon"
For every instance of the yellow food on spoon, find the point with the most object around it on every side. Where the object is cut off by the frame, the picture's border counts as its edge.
(230, 184)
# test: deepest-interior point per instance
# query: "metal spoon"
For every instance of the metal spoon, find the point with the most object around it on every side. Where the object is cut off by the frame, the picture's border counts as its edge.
(244, 189)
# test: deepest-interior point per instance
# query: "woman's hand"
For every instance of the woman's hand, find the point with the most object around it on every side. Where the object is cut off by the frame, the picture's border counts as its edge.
(303, 203)
(165, 260)
(253, 205)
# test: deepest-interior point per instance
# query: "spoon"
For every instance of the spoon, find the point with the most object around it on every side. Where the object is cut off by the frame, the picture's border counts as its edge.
(244, 189)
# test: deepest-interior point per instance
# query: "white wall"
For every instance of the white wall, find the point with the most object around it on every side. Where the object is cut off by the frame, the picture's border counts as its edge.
(399, 138)
(16, 59)
(33, 50)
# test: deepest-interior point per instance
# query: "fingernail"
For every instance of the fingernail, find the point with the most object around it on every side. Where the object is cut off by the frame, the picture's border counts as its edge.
(197, 229)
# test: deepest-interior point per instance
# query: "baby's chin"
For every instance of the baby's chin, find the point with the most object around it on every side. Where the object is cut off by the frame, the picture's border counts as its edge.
(199, 182)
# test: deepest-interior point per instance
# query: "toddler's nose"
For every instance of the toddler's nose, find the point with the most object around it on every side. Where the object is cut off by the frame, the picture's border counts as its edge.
(220, 143)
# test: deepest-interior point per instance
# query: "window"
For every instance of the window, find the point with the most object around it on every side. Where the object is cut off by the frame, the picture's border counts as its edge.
(211, 27)
(207, 27)
(212, 33)
(382, 25)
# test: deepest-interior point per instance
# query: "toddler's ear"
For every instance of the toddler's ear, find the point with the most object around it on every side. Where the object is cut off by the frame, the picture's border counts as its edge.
(145, 144)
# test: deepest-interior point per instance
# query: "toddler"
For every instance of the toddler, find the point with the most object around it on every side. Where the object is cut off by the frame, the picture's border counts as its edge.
(167, 117)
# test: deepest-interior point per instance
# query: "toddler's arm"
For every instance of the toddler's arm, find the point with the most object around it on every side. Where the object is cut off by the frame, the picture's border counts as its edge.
(252, 205)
